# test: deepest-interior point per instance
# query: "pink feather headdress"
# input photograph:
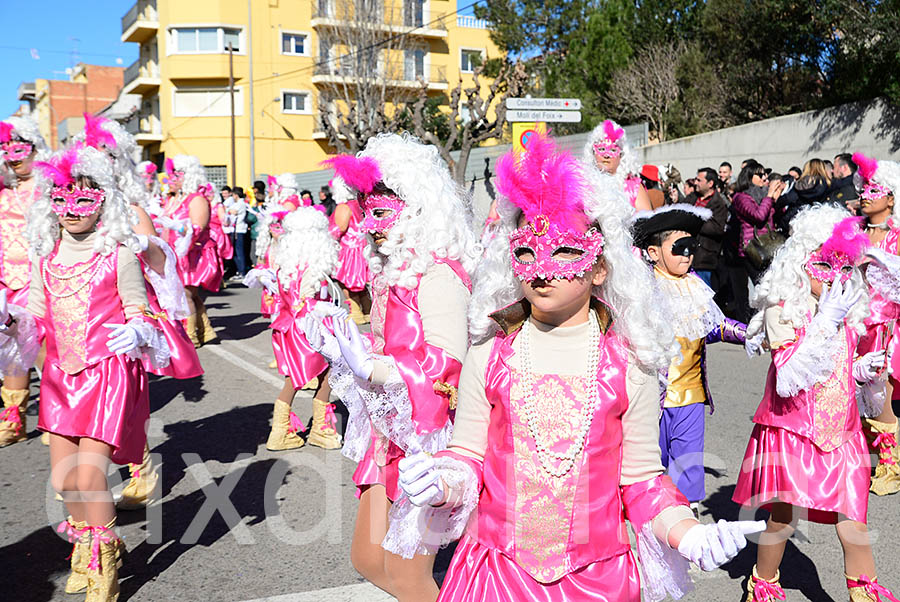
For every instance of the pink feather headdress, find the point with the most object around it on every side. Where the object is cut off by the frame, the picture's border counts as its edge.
(59, 168)
(6, 130)
(867, 166)
(95, 135)
(170, 167)
(359, 173)
(847, 239)
(150, 169)
(271, 181)
(612, 132)
(545, 183)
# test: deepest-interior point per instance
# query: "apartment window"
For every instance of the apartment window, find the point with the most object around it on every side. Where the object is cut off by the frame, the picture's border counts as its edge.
(414, 64)
(293, 43)
(206, 102)
(469, 59)
(218, 175)
(414, 13)
(295, 101)
(198, 40)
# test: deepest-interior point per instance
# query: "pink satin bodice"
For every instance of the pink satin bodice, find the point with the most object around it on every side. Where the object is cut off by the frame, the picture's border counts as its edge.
(15, 267)
(289, 304)
(80, 299)
(182, 212)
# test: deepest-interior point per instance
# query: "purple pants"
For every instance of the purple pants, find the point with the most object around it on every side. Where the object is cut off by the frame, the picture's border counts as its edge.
(681, 445)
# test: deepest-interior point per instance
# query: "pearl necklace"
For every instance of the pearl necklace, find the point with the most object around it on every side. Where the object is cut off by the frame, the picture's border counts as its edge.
(547, 457)
(93, 266)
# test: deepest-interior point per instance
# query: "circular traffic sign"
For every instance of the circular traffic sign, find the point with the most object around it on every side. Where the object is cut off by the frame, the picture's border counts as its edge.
(526, 137)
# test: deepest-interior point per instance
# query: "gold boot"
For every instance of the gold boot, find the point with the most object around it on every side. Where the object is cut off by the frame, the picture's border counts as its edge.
(863, 589)
(886, 479)
(763, 590)
(12, 418)
(143, 488)
(80, 536)
(323, 432)
(45, 438)
(206, 332)
(103, 565)
(285, 426)
(190, 327)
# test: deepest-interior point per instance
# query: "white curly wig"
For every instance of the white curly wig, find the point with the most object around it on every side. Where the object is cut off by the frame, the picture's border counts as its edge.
(289, 186)
(194, 172)
(306, 245)
(27, 129)
(437, 219)
(116, 222)
(123, 152)
(264, 240)
(787, 282)
(141, 170)
(629, 164)
(629, 289)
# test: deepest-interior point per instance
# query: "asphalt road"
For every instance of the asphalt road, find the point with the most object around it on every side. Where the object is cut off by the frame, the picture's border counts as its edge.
(238, 522)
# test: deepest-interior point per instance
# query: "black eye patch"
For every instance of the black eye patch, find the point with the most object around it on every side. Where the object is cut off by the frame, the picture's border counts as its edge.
(684, 246)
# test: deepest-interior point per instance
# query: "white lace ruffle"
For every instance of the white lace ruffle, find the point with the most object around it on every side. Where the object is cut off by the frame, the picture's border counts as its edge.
(183, 242)
(694, 313)
(19, 345)
(664, 572)
(884, 276)
(813, 360)
(168, 287)
(153, 347)
(870, 397)
(424, 530)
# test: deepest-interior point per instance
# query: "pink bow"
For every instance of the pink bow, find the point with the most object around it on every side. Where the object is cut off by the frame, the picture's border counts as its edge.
(765, 591)
(98, 535)
(296, 426)
(873, 588)
(330, 420)
(72, 534)
(885, 442)
(11, 414)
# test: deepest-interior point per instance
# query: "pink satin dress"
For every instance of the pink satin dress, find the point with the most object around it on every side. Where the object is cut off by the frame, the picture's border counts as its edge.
(294, 356)
(201, 266)
(399, 333)
(543, 538)
(15, 267)
(881, 324)
(224, 248)
(809, 450)
(353, 268)
(632, 186)
(86, 390)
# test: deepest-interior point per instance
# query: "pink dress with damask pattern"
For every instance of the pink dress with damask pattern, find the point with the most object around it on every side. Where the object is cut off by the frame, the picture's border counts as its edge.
(87, 390)
(15, 267)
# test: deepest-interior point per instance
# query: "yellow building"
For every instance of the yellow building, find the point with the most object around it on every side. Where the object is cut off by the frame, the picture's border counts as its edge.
(300, 61)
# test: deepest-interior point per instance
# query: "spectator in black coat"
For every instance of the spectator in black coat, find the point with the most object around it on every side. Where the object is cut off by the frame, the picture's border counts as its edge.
(843, 190)
(709, 241)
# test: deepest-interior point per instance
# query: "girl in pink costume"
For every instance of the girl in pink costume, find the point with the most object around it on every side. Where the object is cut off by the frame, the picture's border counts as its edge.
(20, 144)
(400, 387)
(879, 180)
(147, 171)
(553, 451)
(807, 456)
(353, 269)
(87, 295)
(607, 150)
(186, 217)
(263, 273)
(305, 258)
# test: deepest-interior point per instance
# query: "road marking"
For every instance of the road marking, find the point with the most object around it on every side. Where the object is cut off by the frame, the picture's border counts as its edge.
(246, 348)
(240, 362)
(358, 592)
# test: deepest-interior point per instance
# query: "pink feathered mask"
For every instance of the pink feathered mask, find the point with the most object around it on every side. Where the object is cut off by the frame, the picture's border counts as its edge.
(843, 250)
(95, 135)
(871, 190)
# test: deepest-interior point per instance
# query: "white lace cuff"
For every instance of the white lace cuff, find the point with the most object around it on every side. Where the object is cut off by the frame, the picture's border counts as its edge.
(168, 287)
(812, 361)
(883, 276)
(252, 279)
(664, 571)
(19, 345)
(870, 397)
(424, 530)
(153, 347)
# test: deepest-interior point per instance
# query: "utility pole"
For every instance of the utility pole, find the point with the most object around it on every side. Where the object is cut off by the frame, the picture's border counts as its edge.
(250, 88)
(231, 94)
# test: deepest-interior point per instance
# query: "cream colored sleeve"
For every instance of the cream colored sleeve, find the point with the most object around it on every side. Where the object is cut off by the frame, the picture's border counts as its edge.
(130, 283)
(778, 333)
(473, 411)
(36, 301)
(640, 427)
(443, 303)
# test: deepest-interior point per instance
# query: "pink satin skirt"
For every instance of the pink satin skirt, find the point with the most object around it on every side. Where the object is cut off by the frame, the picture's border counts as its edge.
(874, 340)
(201, 267)
(224, 248)
(782, 466)
(267, 304)
(385, 472)
(185, 362)
(353, 269)
(478, 573)
(295, 358)
(108, 402)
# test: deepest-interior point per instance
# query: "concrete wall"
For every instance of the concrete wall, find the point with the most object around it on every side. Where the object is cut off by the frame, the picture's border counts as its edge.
(871, 127)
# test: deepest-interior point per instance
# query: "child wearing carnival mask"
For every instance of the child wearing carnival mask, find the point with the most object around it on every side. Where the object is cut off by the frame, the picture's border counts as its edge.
(668, 236)
(556, 436)
(807, 456)
(87, 296)
(607, 150)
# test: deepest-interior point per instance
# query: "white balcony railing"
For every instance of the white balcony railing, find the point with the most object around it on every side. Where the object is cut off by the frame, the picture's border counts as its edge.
(470, 22)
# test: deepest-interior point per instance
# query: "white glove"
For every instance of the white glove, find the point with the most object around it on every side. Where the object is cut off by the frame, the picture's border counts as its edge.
(835, 302)
(420, 480)
(352, 347)
(866, 368)
(171, 224)
(143, 241)
(124, 338)
(313, 330)
(183, 244)
(711, 546)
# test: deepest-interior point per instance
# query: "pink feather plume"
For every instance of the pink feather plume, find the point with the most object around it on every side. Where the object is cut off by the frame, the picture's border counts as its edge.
(271, 181)
(95, 135)
(6, 130)
(848, 239)
(278, 215)
(170, 167)
(59, 168)
(612, 131)
(359, 173)
(150, 169)
(867, 166)
(545, 181)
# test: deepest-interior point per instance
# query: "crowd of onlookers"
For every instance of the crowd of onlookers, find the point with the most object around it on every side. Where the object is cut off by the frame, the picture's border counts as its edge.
(750, 205)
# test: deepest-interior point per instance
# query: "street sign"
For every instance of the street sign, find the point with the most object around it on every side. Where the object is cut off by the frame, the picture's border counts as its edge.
(544, 104)
(546, 116)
